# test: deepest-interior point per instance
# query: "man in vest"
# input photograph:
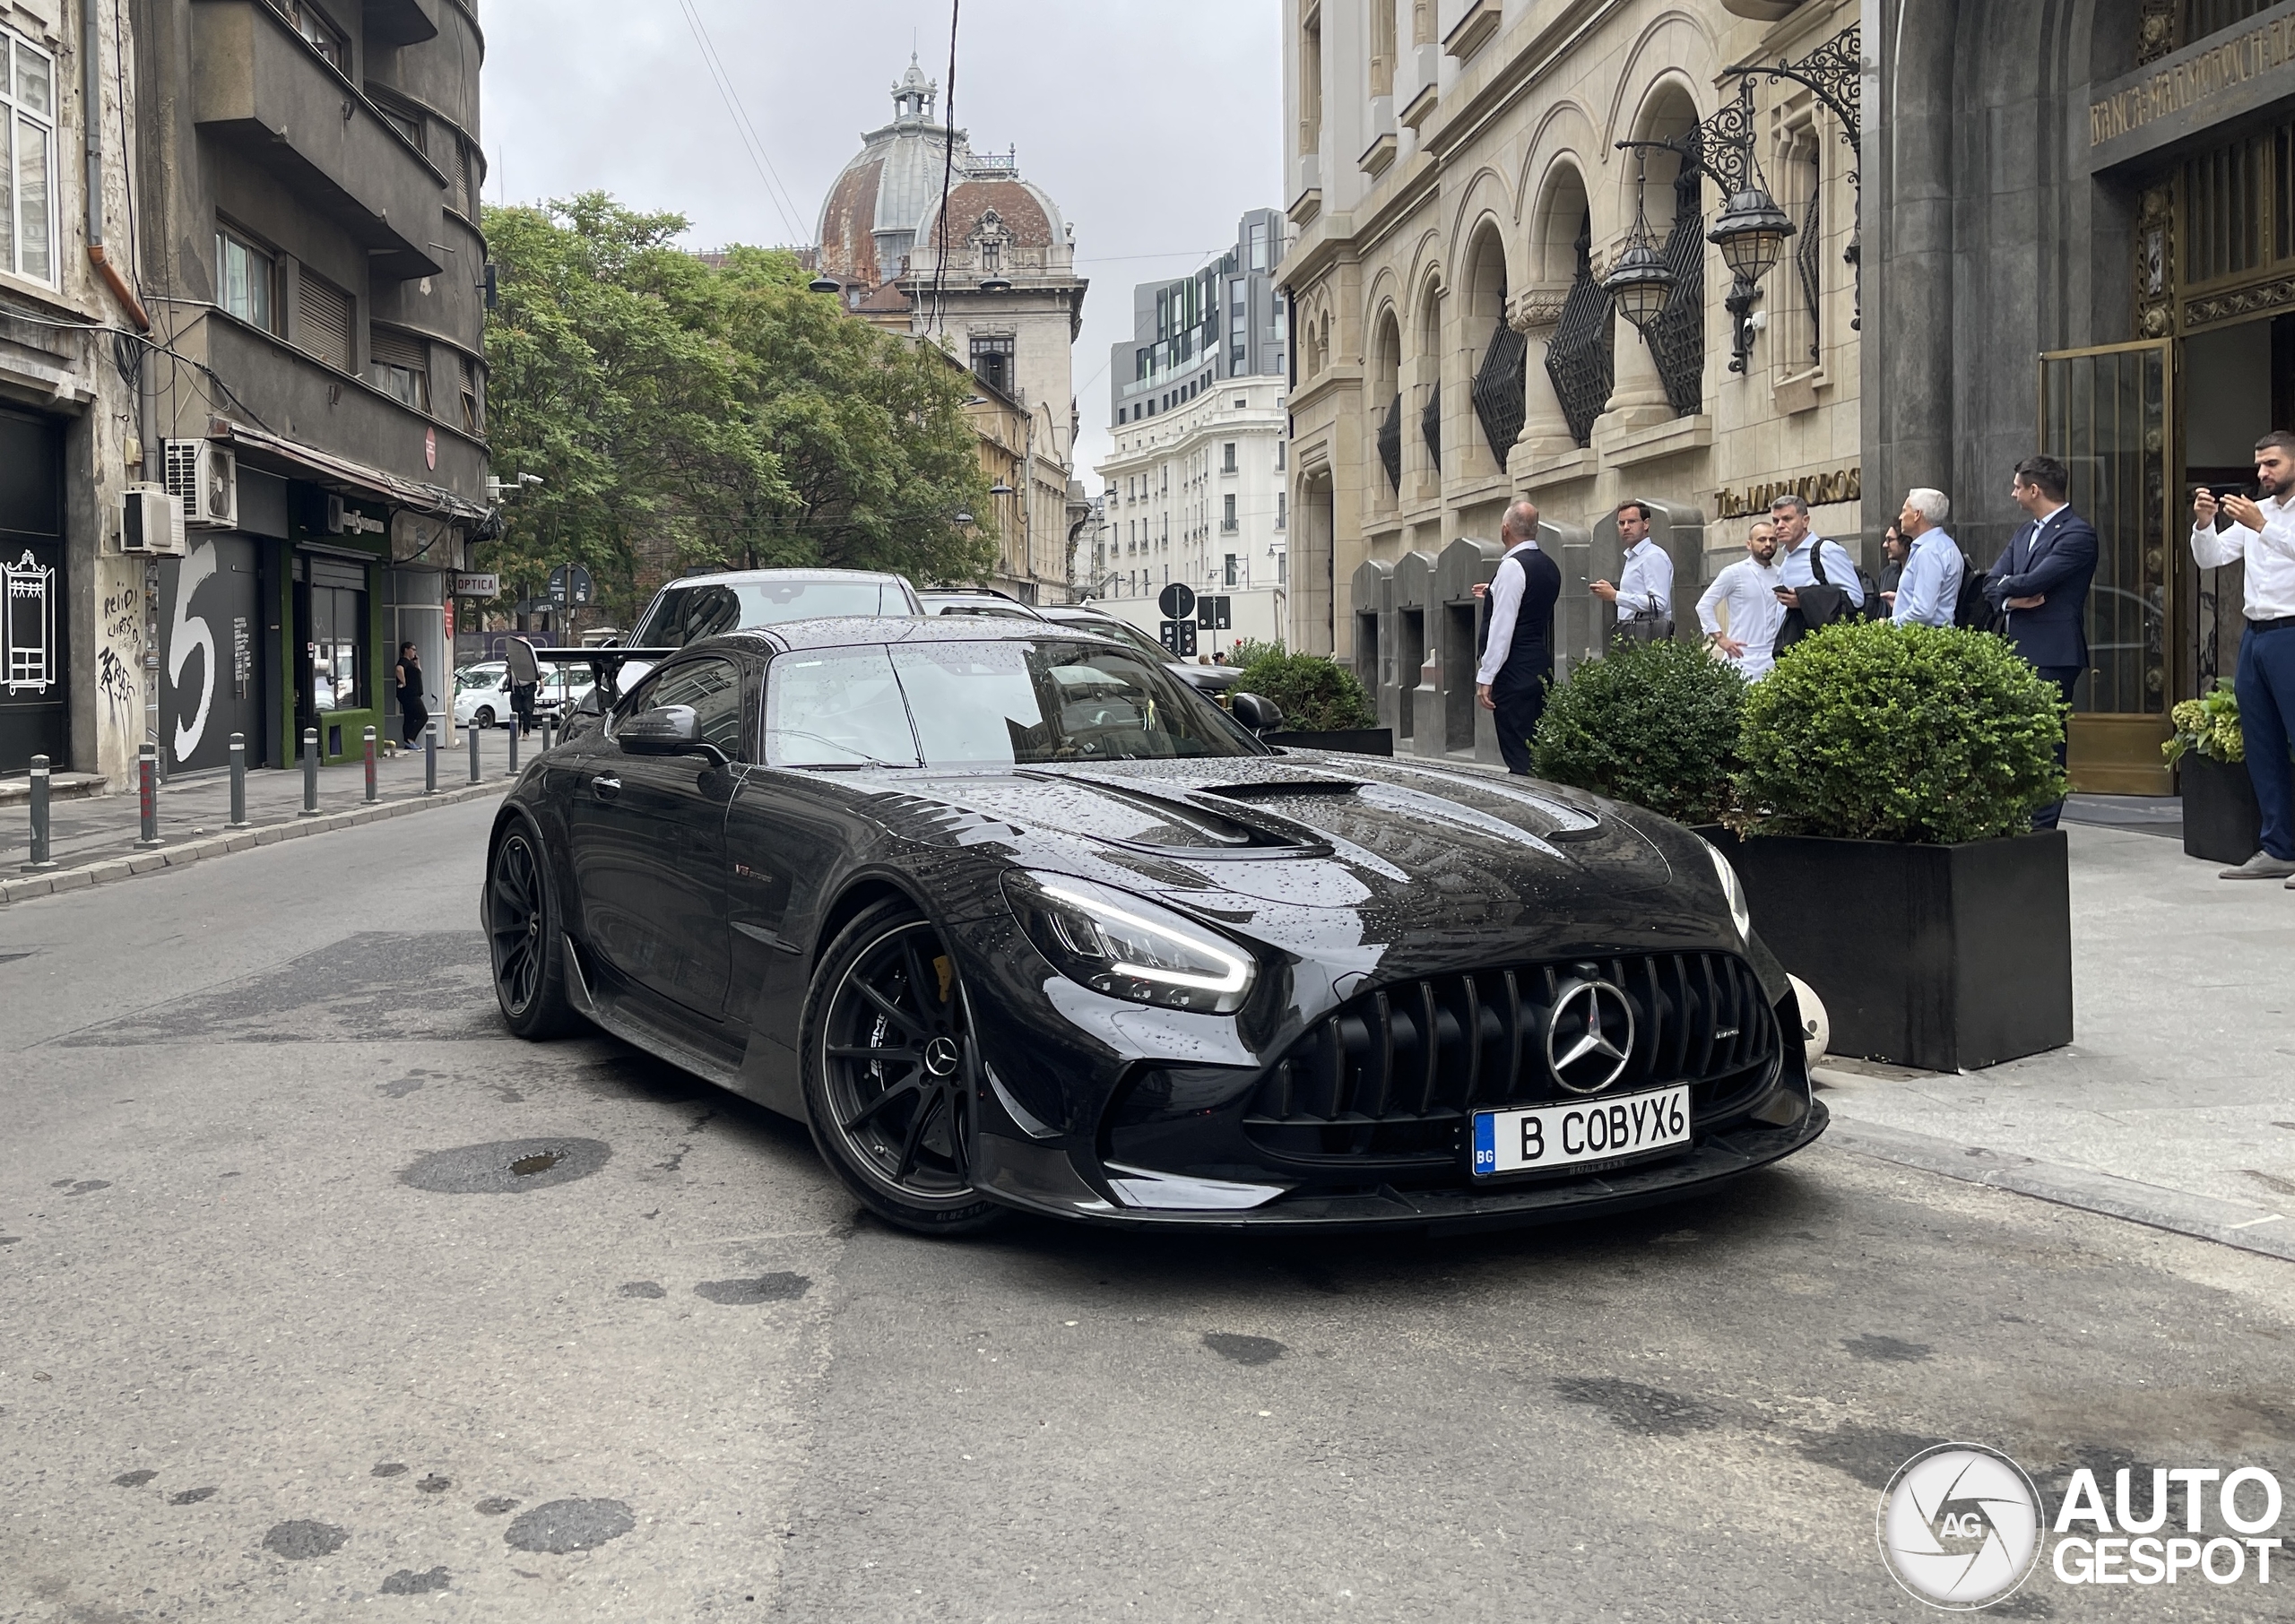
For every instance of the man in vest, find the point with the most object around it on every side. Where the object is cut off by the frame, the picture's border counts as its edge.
(1518, 660)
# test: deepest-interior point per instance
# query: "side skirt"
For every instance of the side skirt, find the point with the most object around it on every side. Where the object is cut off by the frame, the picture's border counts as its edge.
(637, 1028)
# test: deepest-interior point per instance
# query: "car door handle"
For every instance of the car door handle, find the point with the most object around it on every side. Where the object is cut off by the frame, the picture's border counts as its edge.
(605, 787)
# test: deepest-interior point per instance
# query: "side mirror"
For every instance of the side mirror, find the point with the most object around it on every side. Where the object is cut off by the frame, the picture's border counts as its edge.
(669, 730)
(1260, 715)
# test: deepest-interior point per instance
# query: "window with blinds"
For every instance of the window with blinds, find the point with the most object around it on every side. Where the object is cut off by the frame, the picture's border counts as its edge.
(322, 319)
(473, 408)
(399, 365)
(2239, 209)
(459, 175)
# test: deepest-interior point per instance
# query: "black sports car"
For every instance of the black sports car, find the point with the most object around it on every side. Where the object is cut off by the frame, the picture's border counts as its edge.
(1013, 917)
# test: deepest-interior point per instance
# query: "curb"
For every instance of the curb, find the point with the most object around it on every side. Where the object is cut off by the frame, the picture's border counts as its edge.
(30, 886)
(2250, 1228)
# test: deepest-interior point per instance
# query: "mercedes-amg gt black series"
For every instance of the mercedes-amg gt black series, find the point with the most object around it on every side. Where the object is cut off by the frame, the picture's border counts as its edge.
(1015, 919)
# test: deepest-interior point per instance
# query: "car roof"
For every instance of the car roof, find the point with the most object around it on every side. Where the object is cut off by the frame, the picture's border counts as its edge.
(735, 577)
(847, 630)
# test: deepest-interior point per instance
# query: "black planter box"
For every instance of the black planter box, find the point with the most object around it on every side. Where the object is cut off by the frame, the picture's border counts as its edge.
(1352, 741)
(1946, 958)
(2221, 822)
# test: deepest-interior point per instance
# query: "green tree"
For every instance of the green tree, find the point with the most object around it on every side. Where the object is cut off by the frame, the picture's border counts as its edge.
(722, 415)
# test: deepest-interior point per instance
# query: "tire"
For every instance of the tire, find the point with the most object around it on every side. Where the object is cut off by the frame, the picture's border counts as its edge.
(888, 1062)
(525, 937)
(484, 718)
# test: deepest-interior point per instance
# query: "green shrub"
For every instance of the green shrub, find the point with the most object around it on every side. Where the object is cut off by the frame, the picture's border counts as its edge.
(1925, 734)
(1248, 650)
(1654, 723)
(1317, 694)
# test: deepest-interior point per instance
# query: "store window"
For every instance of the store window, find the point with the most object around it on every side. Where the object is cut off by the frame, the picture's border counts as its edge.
(27, 159)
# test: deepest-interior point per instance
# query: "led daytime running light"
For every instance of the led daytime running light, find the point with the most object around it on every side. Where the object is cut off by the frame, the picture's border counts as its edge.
(1239, 969)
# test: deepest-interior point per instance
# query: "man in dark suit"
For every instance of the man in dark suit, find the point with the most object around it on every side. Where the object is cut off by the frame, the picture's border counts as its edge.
(1518, 659)
(2039, 586)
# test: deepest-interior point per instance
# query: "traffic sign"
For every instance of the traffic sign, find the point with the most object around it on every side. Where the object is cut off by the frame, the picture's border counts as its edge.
(570, 584)
(1177, 601)
(1179, 636)
(1215, 614)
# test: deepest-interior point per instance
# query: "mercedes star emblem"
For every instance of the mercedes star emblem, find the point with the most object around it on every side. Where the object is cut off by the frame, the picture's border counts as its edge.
(1590, 1036)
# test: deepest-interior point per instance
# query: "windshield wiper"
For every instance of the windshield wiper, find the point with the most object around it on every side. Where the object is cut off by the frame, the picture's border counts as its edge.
(866, 760)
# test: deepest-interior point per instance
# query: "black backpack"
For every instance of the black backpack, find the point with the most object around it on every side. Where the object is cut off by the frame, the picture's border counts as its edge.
(1872, 608)
(1974, 610)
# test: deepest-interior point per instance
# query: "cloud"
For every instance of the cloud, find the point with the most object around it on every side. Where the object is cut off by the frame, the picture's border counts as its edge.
(1154, 126)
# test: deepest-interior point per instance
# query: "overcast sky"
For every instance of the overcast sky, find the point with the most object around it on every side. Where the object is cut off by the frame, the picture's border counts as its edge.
(1152, 122)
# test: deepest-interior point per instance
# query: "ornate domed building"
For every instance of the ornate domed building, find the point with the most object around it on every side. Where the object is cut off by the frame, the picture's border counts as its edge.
(990, 278)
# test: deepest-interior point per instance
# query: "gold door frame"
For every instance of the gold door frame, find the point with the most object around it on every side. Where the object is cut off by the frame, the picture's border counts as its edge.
(2131, 481)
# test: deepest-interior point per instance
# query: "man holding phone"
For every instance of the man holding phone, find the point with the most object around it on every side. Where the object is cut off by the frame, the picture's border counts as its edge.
(2262, 536)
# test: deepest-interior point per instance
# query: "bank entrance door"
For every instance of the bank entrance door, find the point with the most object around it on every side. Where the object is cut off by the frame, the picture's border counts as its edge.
(2108, 414)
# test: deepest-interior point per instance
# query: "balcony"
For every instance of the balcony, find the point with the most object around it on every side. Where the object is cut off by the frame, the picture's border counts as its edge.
(263, 91)
(307, 401)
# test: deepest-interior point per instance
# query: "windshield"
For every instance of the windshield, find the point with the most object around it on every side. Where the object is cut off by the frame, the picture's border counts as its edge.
(684, 614)
(984, 705)
(480, 676)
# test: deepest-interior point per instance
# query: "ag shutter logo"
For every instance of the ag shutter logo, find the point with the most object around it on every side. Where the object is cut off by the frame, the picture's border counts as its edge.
(1959, 1526)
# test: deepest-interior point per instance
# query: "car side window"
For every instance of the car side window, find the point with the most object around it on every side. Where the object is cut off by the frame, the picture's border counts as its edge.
(654, 632)
(713, 687)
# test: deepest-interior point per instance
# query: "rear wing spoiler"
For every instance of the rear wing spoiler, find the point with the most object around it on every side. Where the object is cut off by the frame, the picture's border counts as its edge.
(525, 661)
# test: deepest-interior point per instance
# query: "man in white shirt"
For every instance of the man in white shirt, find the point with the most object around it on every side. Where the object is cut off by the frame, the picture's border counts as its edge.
(1518, 651)
(2262, 536)
(1745, 591)
(1929, 589)
(1645, 579)
(1796, 547)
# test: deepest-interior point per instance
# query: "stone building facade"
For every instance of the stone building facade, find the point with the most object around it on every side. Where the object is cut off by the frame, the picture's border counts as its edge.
(1459, 194)
(992, 277)
(2081, 236)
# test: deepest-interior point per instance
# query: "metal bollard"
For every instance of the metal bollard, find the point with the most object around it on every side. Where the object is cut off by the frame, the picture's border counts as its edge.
(147, 780)
(373, 794)
(239, 781)
(41, 857)
(517, 729)
(547, 731)
(472, 733)
(310, 773)
(430, 759)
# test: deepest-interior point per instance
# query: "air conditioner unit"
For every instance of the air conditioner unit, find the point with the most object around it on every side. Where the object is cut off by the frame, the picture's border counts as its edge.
(206, 478)
(151, 522)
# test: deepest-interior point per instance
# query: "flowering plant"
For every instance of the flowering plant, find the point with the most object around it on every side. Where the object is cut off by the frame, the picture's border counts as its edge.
(2208, 724)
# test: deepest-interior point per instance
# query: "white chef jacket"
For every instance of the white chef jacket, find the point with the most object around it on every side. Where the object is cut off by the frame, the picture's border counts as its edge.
(1748, 588)
(1645, 585)
(2269, 555)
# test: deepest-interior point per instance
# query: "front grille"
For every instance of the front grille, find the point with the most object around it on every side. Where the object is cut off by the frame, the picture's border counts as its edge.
(1392, 1076)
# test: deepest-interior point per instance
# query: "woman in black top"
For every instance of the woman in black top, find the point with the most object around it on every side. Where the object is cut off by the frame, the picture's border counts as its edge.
(411, 711)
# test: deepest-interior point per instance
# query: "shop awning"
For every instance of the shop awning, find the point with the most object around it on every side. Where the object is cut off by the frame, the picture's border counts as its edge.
(292, 457)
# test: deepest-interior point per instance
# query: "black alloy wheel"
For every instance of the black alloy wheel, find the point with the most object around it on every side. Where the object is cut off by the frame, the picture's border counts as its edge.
(889, 1074)
(525, 945)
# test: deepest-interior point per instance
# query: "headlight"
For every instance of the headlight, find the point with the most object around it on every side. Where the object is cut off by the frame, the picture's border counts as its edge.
(1741, 913)
(1128, 947)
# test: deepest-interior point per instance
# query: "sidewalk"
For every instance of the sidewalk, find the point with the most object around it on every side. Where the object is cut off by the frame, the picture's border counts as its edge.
(2181, 1081)
(194, 807)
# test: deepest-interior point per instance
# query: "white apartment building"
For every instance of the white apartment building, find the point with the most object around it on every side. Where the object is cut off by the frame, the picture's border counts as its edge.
(1198, 495)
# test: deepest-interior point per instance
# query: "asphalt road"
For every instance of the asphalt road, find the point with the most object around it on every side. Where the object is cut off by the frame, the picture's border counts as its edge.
(271, 1347)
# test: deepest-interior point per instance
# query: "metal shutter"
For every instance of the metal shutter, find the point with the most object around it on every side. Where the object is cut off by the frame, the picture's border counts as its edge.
(322, 319)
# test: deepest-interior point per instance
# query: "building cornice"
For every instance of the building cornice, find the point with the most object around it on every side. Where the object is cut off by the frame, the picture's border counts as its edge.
(1524, 57)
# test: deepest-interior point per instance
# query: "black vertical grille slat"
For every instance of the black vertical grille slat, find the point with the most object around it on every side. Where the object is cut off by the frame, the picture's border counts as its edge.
(1430, 1047)
(1391, 1076)
(1471, 1019)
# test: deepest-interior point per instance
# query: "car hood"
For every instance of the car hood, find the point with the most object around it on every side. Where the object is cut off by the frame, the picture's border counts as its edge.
(1356, 862)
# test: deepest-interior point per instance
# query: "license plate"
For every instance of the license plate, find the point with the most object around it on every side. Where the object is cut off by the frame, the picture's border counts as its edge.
(1546, 1136)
